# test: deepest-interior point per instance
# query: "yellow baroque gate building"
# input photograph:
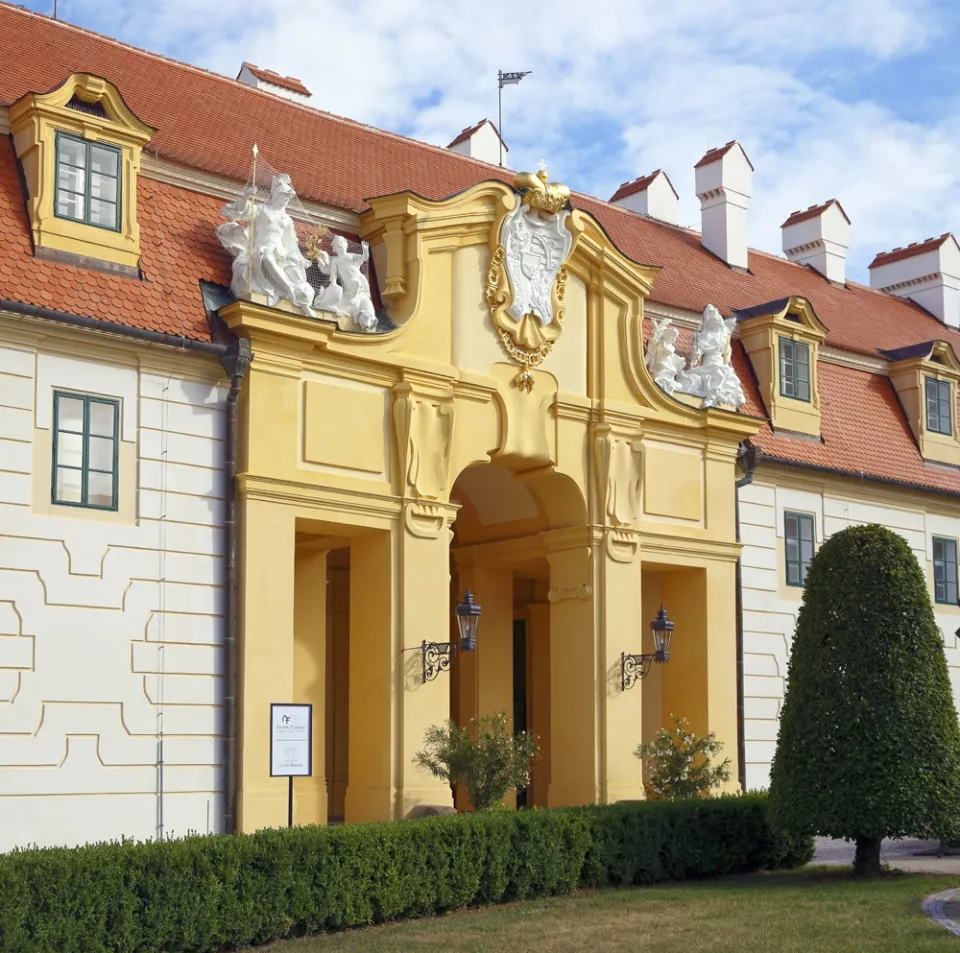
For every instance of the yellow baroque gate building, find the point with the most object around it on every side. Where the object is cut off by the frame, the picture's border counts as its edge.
(531, 459)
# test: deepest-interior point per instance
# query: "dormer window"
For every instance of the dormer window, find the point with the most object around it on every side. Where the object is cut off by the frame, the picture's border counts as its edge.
(79, 149)
(88, 182)
(939, 401)
(782, 340)
(925, 376)
(794, 369)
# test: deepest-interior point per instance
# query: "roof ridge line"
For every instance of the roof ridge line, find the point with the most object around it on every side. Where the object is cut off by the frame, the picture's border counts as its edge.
(16, 9)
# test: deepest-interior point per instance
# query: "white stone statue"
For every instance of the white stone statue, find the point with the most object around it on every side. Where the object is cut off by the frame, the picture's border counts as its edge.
(348, 293)
(710, 375)
(262, 238)
(663, 362)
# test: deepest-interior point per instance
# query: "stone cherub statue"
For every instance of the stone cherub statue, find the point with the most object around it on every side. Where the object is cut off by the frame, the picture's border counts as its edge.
(662, 360)
(349, 291)
(262, 238)
(708, 374)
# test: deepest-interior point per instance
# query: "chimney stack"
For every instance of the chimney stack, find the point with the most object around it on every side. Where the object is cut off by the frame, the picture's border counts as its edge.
(724, 185)
(925, 272)
(481, 141)
(286, 86)
(652, 195)
(819, 237)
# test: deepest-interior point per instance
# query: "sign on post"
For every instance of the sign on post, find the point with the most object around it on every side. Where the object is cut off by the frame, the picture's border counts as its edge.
(291, 746)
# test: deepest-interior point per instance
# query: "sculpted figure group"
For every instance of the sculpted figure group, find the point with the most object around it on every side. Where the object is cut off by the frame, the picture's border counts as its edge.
(708, 374)
(267, 260)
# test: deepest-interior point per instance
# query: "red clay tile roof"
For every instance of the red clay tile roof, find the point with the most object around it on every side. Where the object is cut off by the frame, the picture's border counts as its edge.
(210, 122)
(639, 184)
(862, 426)
(284, 82)
(719, 152)
(178, 247)
(813, 211)
(470, 130)
(914, 248)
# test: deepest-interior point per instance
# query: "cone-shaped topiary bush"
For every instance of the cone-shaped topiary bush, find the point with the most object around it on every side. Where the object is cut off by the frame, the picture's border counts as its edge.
(869, 745)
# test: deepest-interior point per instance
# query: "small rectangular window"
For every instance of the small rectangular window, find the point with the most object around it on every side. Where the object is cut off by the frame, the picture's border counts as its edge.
(939, 418)
(798, 533)
(86, 433)
(88, 182)
(945, 570)
(794, 369)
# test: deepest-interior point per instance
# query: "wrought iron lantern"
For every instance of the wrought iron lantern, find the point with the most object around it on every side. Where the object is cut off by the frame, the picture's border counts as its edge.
(437, 656)
(635, 667)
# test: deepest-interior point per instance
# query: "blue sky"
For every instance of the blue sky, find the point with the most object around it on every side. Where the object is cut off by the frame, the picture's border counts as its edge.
(853, 99)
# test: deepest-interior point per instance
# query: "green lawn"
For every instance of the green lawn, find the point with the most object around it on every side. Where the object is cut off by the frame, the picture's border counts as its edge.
(816, 909)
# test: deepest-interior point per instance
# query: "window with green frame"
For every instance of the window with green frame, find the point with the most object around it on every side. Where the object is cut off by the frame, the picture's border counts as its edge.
(939, 418)
(794, 369)
(945, 570)
(798, 533)
(85, 439)
(88, 182)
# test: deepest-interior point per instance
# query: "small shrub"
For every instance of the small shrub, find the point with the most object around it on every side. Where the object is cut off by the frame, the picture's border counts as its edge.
(680, 763)
(207, 894)
(486, 759)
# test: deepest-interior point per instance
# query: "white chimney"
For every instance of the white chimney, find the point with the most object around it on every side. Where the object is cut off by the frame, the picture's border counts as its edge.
(481, 141)
(652, 195)
(819, 237)
(724, 185)
(285, 86)
(926, 272)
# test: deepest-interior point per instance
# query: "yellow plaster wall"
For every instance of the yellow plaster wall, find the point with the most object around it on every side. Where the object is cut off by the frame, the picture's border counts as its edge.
(266, 657)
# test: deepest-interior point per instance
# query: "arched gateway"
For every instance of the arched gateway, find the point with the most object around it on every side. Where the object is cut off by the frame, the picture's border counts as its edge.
(505, 436)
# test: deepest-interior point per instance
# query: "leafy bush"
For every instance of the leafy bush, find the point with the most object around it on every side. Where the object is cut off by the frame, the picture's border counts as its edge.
(869, 745)
(206, 894)
(680, 763)
(486, 759)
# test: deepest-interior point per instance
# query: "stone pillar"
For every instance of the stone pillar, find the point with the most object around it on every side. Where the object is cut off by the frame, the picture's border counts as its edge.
(398, 598)
(310, 677)
(621, 631)
(575, 755)
(423, 584)
(266, 656)
(721, 627)
(700, 682)
(374, 670)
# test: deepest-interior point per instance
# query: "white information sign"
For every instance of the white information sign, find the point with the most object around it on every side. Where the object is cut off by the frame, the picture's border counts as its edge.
(291, 730)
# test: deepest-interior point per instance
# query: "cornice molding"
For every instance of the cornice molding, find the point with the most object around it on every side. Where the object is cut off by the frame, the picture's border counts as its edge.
(856, 362)
(102, 347)
(679, 316)
(153, 166)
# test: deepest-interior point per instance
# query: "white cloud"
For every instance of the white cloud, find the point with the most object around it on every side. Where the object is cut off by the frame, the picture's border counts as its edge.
(619, 87)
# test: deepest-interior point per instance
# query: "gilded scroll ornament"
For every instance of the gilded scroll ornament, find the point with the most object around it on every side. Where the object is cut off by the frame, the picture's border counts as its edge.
(526, 279)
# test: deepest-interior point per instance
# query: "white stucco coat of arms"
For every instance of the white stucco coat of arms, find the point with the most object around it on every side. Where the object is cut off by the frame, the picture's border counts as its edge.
(535, 249)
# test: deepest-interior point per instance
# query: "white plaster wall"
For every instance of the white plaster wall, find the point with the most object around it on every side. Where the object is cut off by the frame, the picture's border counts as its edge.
(110, 632)
(770, 606)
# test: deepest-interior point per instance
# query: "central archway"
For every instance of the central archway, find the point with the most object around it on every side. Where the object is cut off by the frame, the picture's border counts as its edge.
(500, 550)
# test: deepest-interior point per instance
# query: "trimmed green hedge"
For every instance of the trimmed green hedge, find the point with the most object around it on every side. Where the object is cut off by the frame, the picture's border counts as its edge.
(205, 894)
